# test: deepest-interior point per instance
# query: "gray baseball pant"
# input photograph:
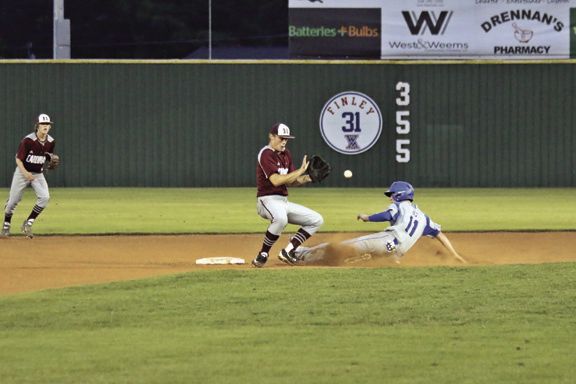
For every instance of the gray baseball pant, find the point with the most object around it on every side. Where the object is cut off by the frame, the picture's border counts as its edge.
(20, 183)
(281, 212)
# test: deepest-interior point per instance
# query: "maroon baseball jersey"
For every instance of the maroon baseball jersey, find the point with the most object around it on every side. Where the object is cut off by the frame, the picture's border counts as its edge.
(269, 163)
(33, 153)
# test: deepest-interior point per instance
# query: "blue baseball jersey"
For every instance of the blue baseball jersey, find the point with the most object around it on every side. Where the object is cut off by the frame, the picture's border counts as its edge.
(407, 224)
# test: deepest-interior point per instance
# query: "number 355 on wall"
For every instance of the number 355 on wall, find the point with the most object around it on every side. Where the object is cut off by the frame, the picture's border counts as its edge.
(403, 122)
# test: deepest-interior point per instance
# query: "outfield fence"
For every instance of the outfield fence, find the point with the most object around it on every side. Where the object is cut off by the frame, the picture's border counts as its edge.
(202, 123)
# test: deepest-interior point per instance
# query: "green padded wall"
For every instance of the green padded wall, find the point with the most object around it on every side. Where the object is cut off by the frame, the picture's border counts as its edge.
(200, 124)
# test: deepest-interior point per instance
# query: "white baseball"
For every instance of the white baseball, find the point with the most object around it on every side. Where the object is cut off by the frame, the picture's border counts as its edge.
(347, 173)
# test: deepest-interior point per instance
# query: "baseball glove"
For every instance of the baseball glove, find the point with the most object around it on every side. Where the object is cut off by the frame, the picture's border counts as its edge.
(53, 161)
(318, 169)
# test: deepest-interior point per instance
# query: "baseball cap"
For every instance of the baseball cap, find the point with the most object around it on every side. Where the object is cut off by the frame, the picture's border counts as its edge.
(281, 130)
(44, 119)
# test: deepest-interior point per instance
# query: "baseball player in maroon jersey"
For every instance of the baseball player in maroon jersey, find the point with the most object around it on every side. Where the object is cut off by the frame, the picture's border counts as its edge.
(275, 172)
(34, 150)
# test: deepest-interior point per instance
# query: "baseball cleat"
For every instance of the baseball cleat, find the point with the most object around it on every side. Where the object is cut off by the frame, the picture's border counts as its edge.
(27, 229)
(5, 230)
(260, 260)
(288, 257)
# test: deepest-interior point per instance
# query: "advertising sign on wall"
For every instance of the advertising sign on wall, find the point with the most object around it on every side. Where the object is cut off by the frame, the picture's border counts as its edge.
(338, 32)
(492, 29)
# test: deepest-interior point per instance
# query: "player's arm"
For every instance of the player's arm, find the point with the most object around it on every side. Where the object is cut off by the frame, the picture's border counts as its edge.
(448, 245)
(23, 170)
(301, 180)
(293, 178)
(388, 215)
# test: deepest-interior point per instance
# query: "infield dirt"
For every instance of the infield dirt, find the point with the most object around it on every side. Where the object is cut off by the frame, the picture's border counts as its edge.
(60, 261)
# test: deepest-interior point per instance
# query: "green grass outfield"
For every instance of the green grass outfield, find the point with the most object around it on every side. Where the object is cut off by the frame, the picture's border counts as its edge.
(233, 210)
(496, 324)
(506, 324)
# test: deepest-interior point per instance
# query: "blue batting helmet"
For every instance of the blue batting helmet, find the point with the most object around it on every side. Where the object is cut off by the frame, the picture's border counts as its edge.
(400, 191)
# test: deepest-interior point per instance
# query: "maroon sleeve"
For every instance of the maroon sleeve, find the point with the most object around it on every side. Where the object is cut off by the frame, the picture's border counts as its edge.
(268, 163)
(23, 149)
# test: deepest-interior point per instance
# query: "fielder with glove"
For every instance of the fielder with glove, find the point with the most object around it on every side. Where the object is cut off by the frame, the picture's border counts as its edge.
(35, 153)
(275, 172)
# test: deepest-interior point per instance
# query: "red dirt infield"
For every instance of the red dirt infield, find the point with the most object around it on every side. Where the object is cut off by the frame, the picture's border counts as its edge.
(60, 261)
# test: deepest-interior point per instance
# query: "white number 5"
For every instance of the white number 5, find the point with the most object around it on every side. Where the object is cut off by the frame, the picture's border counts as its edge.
(402, 152)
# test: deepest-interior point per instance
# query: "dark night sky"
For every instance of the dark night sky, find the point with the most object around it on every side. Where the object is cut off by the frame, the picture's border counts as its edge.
(155, 29)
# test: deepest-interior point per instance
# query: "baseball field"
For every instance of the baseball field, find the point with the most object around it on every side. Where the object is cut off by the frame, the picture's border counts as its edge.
(108, 292)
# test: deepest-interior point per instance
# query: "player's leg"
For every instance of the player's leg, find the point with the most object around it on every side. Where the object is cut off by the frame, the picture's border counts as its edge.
(272, 208)
(310, 254)
(42, 198)
(309, 220)
(19, 184)
(381, 243)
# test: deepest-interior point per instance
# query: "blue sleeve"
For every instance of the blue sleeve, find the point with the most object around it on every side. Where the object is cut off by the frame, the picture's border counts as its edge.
(432, 229)
(382, 216)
